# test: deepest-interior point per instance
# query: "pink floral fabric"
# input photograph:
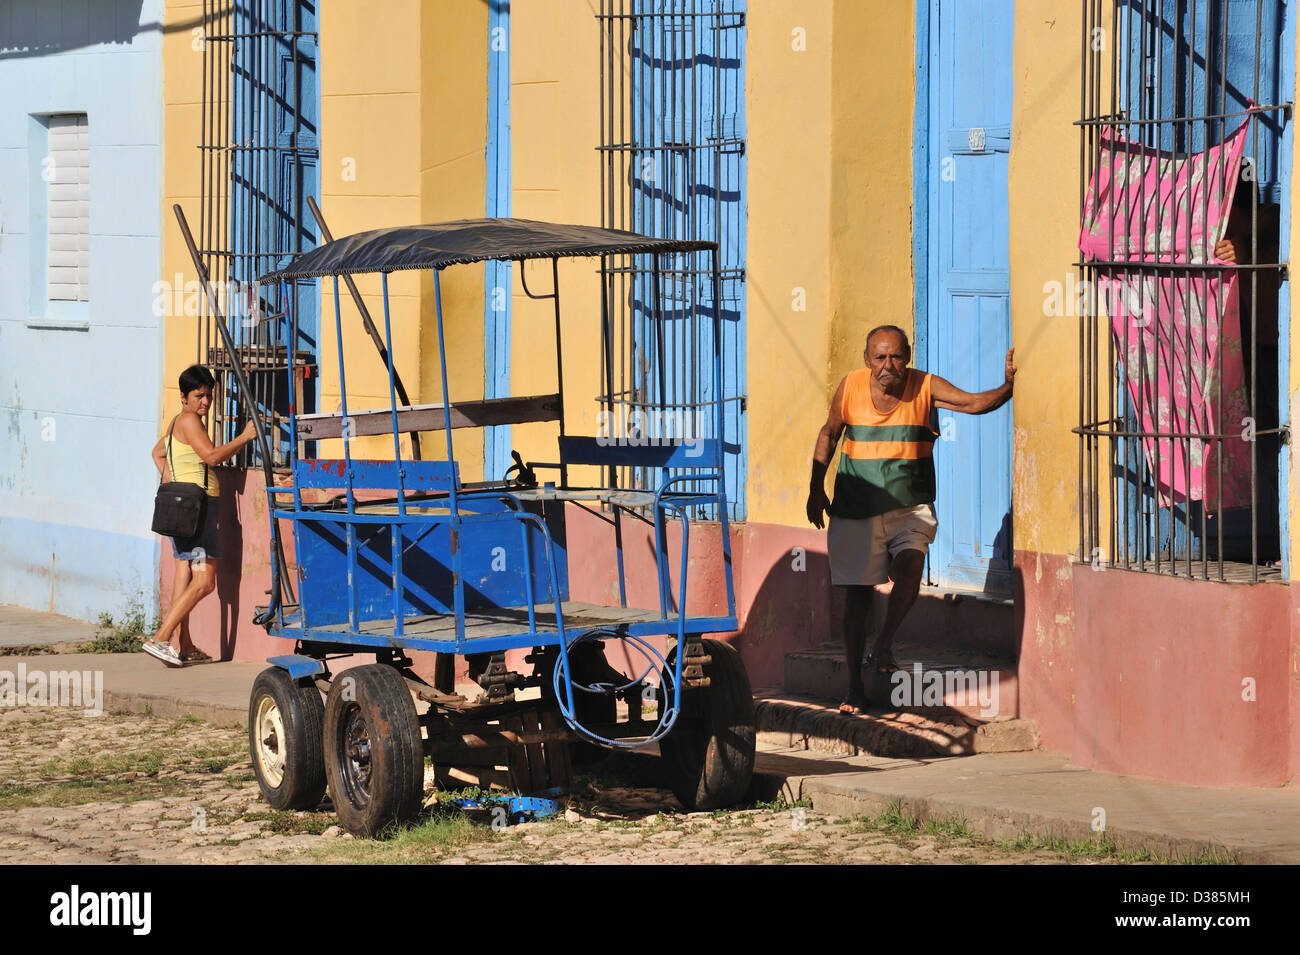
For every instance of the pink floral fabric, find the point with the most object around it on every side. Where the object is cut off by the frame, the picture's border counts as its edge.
(1179, 331)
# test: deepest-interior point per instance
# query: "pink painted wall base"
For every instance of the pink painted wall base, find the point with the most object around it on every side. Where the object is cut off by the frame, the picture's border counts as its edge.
(1181, 680)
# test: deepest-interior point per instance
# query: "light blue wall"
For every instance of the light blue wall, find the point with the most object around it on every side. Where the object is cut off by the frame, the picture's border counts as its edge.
(79, 408)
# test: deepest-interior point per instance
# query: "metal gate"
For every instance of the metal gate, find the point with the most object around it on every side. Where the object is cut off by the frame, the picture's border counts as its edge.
(673, 166)
(260, 156)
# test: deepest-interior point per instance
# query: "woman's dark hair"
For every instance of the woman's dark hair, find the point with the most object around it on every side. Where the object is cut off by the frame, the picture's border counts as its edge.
(195, 377)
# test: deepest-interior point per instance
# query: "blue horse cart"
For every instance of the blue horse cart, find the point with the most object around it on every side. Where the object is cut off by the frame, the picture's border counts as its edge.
(395, 556)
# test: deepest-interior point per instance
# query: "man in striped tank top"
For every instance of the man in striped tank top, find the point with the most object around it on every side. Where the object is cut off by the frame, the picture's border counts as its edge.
(882, 521)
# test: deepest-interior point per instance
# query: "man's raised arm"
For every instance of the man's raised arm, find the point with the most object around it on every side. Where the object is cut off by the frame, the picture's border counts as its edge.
(948, 396)
(827, 438)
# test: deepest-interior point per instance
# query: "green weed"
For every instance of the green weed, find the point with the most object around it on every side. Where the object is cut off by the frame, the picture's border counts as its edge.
(126, 635)
(894, 819)
(437, 835)
(781, 804)
(281, 823)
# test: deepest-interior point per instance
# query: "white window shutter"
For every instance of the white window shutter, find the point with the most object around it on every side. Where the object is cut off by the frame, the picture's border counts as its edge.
(69, 208)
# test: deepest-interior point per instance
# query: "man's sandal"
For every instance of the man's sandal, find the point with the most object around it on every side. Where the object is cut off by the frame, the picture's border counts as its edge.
(855, 704)
(887, 665)
(195, 656)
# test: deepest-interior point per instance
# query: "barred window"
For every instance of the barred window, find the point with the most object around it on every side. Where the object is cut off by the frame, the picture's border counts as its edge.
(259, 150)
(672, 147)
(1181, 422)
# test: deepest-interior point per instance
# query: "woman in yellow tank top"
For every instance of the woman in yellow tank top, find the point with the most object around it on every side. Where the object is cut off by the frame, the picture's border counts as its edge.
(185, 453)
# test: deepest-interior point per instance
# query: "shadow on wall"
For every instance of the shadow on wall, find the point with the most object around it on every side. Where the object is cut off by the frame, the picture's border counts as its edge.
(792, 609)
(997, 581)
(230, 567)
(1001, 576)
(34, 28)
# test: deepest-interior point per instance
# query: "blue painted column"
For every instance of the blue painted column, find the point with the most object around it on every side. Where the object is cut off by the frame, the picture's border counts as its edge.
(496, 275)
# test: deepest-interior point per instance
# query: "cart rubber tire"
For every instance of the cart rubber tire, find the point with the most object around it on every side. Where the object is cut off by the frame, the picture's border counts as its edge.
(708, 755)
(374, 756)
(285, 740)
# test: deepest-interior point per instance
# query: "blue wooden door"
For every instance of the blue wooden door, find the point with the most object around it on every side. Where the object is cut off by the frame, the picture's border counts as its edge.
(969, 318)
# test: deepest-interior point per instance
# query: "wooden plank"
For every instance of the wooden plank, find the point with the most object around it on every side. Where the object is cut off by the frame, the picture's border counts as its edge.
(464, 414)
(536, 759)
(517, 756)
(444, 673)
(485, 777)
(501, 740)
(558, 759)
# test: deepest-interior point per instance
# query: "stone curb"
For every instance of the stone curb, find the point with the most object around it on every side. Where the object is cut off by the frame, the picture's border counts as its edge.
(993, 822)
(174, 706)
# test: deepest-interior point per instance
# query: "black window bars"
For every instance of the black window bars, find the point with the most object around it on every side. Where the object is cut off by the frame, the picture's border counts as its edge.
(259, 154)
(1179, 424)
(672, 165)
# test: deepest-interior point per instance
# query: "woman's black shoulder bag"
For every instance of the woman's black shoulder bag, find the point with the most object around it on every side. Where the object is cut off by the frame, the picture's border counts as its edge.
(178, 507)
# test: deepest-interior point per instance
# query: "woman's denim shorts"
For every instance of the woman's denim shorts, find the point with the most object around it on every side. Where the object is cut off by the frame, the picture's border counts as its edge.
(205, 545)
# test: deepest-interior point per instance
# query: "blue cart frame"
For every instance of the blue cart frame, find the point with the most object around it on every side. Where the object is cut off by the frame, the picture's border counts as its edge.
(477, 569)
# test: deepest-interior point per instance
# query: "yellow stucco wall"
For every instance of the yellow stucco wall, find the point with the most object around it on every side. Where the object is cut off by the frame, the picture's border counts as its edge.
(870, 243)
(871, 267)
(452, 130)
(829, 222)
(826, 216)
(1044, 213)
(182, 99)
(788, 151)
(829, 241)
(403, 120)
(369, 177)
(555, 176)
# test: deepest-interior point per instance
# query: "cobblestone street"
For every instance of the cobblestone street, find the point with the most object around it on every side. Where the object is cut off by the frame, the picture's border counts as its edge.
(144, 789)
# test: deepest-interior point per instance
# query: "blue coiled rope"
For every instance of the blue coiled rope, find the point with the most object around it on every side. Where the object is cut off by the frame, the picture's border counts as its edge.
(668, 715)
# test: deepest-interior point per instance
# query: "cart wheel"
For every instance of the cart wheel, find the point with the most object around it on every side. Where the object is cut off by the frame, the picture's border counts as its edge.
(285, 721)
(709, 753)
(374, 757)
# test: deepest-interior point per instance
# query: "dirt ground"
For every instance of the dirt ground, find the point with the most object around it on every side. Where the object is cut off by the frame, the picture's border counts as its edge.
(144, 789)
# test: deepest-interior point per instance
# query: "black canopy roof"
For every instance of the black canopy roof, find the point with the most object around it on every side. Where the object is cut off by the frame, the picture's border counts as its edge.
(469, 240)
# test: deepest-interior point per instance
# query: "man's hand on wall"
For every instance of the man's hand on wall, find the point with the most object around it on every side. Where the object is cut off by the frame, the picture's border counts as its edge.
(1011, 366)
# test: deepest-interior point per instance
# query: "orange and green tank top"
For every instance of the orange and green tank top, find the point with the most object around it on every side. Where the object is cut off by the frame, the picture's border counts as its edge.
(887, 460)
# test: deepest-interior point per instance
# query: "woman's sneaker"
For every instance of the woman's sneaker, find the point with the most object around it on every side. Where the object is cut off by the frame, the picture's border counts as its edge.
(162, 651)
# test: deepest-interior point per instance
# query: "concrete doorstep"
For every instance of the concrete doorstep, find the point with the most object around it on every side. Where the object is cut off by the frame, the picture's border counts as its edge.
(814, 724)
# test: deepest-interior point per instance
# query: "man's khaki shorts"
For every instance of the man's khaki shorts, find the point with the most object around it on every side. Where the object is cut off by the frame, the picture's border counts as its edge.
(860, 550)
